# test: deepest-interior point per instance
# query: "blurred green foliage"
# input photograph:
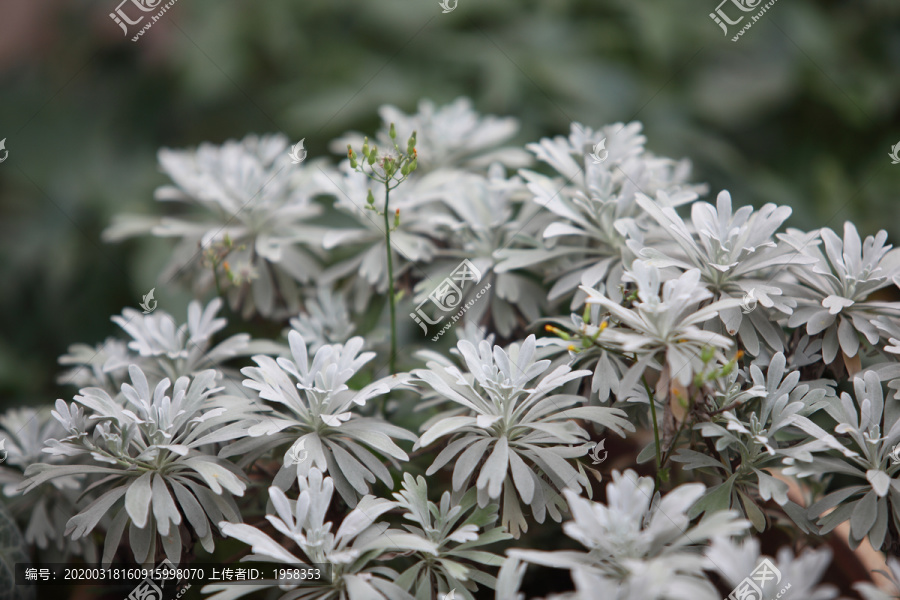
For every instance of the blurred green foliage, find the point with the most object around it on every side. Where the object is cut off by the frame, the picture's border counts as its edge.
(802, 110)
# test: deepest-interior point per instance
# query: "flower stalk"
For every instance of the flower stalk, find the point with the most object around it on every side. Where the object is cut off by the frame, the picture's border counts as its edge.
(390, 170)
(392, 298)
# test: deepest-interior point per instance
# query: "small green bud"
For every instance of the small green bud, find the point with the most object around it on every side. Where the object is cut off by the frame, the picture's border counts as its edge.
(397, 218)
(373, 153)
(707, 354)
(404, 169)
(351, 156)
(411, 144)
(393, 132)
(365, 149)
(370, 199)
(413, 165)
(586, 317)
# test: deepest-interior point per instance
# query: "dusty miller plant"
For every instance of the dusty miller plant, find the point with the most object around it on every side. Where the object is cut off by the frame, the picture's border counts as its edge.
(748, 371)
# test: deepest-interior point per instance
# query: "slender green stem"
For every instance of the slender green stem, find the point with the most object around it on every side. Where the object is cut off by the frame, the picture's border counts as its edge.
(652, 398)
(218, 285)
(390, 266)
(655, 425)
(607, 349)
(668, 452)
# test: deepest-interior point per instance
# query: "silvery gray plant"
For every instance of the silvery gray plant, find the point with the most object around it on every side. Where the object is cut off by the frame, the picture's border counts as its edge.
(640, 545)
(760, 367)
(489, 212)
(163, 348)
(102, 365)
(834, 294)
(866, 425)
(594, 204)
(457, 528)
(663, 322)
(737, 257)
(325, 319)
(253, 243)
(160, 481)
(758, 421)
(317, 413)
(43, 512)
(869, 591)
(800, 574)
(361, 540)
(526, 428)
